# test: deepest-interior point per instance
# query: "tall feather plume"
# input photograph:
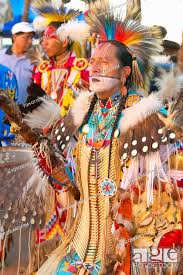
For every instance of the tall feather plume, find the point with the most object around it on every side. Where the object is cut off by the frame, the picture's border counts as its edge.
(142, 41)
(53, 12)
(169, 85)
(43, 116)
(74, 30)
(21, 179)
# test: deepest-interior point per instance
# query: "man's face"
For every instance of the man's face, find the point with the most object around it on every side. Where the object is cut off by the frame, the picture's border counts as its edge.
(23, 41)
(104, 69)
(51, 43)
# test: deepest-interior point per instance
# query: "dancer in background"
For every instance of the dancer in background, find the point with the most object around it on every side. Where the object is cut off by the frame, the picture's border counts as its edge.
(62, 41)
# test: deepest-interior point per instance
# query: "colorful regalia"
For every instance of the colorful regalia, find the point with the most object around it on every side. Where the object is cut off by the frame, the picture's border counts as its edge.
(124, 160)
(59, 82)
(59, 79)
(9, 84)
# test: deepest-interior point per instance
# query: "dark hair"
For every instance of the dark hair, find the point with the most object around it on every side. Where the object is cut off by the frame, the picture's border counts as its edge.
(55, 24)
(124, 57)
(18, 33)
(115, 125)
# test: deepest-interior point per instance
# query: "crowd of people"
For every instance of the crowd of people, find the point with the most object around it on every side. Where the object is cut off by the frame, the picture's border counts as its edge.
(91, 145)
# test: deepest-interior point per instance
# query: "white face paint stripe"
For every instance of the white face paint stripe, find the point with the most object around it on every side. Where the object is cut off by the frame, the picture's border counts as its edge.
(104, 52)
(104, 84)
(107, 46)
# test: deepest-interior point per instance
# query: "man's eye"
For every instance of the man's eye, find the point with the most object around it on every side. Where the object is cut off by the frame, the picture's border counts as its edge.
(104, 62)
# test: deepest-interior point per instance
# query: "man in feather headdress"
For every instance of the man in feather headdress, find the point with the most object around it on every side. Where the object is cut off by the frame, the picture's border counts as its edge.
(130, 201)
(129, 198)
(62, 41)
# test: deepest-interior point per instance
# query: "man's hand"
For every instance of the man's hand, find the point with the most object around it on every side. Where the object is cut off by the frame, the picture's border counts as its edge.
(82, 85)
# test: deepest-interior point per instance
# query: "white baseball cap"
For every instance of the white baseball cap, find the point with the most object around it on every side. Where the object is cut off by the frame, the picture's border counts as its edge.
(22, 27)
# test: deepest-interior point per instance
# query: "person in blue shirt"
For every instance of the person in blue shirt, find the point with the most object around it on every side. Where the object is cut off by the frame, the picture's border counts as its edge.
(8, 83)
(15, 57)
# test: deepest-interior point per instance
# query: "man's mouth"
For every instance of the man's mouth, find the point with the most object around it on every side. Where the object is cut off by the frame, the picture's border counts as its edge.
(95, 79)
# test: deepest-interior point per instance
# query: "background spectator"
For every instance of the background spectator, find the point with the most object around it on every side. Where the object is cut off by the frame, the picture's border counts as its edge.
(15, 58)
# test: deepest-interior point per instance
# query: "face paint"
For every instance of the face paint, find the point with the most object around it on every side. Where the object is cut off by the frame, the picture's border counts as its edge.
(100, 84)
(50, 32)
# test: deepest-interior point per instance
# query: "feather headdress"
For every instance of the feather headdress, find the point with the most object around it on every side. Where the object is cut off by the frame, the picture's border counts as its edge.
(141, 41)
(52, 11)
(74, 30)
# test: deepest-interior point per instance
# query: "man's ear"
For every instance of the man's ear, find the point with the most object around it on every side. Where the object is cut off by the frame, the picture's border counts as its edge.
(125, 73)
(65, 43)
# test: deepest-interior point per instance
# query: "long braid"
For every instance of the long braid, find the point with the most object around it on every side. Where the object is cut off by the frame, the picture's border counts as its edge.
(92, 105)
(118, 114)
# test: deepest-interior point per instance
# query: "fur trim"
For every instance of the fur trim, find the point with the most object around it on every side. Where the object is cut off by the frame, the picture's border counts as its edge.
(161, 59)
(43, 116)
(169, 85)
(40, 23)
(80, 107)
(140, 111)
(74, 30)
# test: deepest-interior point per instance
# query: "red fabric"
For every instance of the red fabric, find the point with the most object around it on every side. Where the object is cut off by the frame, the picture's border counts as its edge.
(85, 75)
(180, 183)
(125, 266)
(36, 76)
(2, 250)
(125, 210)
(43, 165)
(171, 239)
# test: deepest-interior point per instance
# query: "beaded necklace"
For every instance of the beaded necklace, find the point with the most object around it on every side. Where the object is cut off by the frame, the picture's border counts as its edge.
(101, 122)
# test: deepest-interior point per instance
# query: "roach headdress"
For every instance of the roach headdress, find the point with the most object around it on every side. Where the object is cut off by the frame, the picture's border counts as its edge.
(141, 41)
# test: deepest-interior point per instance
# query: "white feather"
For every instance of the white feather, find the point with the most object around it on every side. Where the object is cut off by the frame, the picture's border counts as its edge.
(41, 186)
(169, 85)
(40, 23)
(33, 180)
(80, 107)
(74, 30)
(43, 116)
(140, 111)
(161, 59)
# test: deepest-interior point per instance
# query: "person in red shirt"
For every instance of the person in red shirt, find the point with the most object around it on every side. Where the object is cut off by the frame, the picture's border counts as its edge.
(62, 75)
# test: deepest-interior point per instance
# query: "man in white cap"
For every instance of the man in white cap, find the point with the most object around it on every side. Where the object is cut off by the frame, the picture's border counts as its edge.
(15, 58)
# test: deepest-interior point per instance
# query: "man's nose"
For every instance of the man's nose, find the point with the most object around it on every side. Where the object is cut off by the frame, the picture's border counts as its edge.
(94, 68)
(44, 41)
